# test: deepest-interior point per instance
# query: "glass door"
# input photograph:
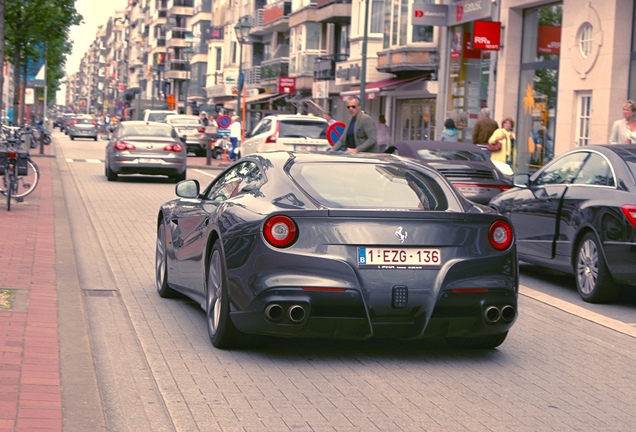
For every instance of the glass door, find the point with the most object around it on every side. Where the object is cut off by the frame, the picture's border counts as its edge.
(418, 121)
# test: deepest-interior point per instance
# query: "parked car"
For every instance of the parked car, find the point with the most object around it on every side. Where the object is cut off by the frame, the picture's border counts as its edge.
(64, 122)
(287, 132)
(158, 115)
(466, 166)
(194, 131)
(82, 126)
(138, 147)
(338, 245)
(577, 214)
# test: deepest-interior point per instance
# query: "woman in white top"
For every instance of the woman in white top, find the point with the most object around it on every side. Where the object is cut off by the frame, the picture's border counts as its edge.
(624, 130)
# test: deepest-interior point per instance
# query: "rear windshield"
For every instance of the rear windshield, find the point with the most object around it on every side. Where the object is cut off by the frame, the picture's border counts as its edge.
(80, 120)
(185, 120)
(302, 129)
(159, 116)
(148, 130)
(369, 186)
(629, 156)
(457, 155)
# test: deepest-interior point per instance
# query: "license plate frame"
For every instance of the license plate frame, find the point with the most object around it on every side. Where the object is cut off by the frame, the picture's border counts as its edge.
(305, 147)
(399, 257)
(150, 161)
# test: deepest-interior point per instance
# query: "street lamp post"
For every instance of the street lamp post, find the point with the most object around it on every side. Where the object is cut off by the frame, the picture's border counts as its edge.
(187, 53)
(242, 29)
(363, 69)
(154, 72)
(140, 76)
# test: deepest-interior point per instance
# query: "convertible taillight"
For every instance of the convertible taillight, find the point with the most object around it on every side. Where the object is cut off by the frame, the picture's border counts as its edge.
(124, 146)
(272, 138)
(630, 213)
(500, 235)
(173, 147)
(280, 231)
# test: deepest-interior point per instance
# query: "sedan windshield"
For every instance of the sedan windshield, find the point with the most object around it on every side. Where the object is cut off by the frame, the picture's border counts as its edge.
(458, 155)
(302, 129)
(81, 120)
(369, 186)
(147, 130)
(158, 117)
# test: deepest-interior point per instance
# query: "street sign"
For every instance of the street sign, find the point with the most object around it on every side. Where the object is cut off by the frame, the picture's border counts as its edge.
(223, 132)
(224, 121)
(120, 105)
(335, 131)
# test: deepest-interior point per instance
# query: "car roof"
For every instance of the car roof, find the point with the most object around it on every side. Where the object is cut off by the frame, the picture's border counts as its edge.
(182, 116)
(297, 117)
(142, 122)
(441, 145)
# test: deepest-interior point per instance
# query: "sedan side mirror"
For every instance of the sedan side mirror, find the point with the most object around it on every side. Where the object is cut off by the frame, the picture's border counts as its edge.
(183, 139)
(104, 137)
(521, 180)
(187, 189)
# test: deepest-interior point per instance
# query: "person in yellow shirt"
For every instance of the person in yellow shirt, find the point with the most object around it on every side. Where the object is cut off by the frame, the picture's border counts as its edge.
(505, 137)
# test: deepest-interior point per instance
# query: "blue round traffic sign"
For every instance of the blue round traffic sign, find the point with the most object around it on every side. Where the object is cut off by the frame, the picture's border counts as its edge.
(120, 105)
(335, 131)
(224, 121)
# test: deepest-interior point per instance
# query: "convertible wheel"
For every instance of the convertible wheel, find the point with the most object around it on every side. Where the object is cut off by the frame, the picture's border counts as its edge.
(483, 342)
(593, 280)
(161, 265)
(221, 329)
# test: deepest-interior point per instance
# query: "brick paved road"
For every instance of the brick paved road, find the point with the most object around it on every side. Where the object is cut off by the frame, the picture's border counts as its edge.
(556, 371)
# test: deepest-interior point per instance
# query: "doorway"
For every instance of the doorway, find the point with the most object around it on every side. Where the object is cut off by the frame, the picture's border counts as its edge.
(417, 119)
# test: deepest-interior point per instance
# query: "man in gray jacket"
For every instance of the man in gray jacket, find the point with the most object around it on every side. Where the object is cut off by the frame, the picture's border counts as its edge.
(359, 134)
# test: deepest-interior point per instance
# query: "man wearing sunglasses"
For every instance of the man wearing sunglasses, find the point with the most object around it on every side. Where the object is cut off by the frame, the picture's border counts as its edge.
(360, 132)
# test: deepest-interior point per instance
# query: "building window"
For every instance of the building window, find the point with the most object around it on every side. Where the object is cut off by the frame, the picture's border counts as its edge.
(586, 39)
(377, 9)
(584, 113)
(218, 58)
(233, 53)
(397, 29)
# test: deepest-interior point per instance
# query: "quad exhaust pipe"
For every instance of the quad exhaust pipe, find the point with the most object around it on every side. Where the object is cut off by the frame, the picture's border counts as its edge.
(492, 314)
(275, 312)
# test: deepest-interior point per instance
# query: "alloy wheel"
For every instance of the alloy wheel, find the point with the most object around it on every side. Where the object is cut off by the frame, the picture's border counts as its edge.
(587, 266)
(160, 259)
(214, 293)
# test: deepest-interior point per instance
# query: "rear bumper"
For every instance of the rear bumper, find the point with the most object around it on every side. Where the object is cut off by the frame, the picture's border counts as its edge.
(134, 167)
(620, 258)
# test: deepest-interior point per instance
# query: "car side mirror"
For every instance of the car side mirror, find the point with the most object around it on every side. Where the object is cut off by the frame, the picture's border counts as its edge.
(187, 189)
(104, 137)
(183, 139)
(521, 180)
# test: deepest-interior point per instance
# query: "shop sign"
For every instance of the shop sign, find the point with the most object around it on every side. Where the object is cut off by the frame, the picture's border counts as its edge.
(487, 35)
(29, 97)
(469, 10)
(320, 90)
(429, 14)
(220, 90)
(347, 73)
(549, 40)
(286, 85)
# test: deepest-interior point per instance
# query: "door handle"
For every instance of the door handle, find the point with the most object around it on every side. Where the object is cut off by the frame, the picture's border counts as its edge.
(207, 221)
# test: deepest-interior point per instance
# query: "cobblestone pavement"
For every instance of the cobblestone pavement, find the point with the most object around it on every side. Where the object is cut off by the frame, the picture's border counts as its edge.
(556, 371)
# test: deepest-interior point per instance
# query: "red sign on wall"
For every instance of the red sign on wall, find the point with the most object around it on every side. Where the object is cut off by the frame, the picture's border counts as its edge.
(549, 40)
(286, 85)
(487, 35)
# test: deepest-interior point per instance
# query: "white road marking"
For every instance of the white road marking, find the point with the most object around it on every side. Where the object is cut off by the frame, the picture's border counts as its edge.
(203, 172)
(573, 309)
(93, 161)
(69, 160)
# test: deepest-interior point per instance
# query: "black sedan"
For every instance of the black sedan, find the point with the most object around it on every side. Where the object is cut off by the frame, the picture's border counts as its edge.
(467, 167)
(578, 215)
(340, 246)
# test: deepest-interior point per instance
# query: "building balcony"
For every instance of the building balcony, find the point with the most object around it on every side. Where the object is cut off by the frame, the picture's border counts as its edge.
(160, 14)
(252, 76)
(180, 7)
(325, 66)
(216, 33)
(158, 43)
(407, 58)
(178, 65)
(203, 6)
(333, 11)
(271, 69)
(256, 23)
(276, 16)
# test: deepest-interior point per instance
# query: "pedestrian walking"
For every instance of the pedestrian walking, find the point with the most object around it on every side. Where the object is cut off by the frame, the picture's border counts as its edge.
(484, 127)
(204, 119)
(359, 134)
(624, 130)
(235, 134)
(450, 131)
(501, 143)
(383, 134)
(327, 116)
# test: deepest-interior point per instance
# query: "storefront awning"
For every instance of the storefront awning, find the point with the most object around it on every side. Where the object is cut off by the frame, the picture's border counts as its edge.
(380, 85)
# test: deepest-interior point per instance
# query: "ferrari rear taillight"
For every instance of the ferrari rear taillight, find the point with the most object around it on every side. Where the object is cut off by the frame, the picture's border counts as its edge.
(500, 235)
(272, 138)
(280, 231)
(124, 146)
(630, 213)
(173, 147)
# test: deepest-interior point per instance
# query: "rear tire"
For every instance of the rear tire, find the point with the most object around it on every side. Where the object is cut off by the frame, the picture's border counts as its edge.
(47, 140)
(593, 280)
(200, 152)
(72, 137)
(161, 265)
(179, 177)
(481, 342)
(110, 175)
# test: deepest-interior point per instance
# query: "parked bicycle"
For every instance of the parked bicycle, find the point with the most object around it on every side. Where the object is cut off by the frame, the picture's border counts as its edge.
(20, 175)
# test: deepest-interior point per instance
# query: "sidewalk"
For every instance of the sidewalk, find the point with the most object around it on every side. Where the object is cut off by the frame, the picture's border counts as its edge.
(30, 391)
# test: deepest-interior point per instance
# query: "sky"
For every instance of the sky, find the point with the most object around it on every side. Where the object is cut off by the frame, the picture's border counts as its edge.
(95, 13)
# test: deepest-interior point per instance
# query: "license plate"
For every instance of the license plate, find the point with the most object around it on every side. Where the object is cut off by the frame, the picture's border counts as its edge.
(153, 161)
(305, 148)
(399, 257)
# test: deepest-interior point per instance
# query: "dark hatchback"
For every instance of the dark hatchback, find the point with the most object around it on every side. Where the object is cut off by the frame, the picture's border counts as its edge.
(466, 166)
(578, 215)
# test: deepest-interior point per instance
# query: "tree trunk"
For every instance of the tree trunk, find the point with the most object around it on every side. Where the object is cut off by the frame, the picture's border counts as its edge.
(2, 102)
(22, 96)
(16, 85)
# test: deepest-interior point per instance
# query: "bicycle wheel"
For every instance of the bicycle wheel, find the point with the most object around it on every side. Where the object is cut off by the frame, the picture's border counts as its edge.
(9, 190)
(25, 184)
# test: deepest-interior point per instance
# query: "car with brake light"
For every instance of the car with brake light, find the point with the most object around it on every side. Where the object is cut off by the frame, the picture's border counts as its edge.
(287, 132)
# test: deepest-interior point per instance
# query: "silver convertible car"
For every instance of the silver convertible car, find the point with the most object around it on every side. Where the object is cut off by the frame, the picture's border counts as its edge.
(338, 245)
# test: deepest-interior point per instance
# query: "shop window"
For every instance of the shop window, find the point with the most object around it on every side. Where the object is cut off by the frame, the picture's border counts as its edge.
(397, 28)
(584, 112)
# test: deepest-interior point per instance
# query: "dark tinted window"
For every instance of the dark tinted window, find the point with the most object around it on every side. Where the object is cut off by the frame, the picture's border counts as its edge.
(460, 155)
(184, 120)
(629, 156)
(369, 186)
(147, 130)
(595, 171)
(81, 120)
(302, 129)
(159, 116)
(562, 170)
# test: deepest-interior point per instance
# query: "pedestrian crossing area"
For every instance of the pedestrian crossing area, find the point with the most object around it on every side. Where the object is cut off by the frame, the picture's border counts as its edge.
(85, 160)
